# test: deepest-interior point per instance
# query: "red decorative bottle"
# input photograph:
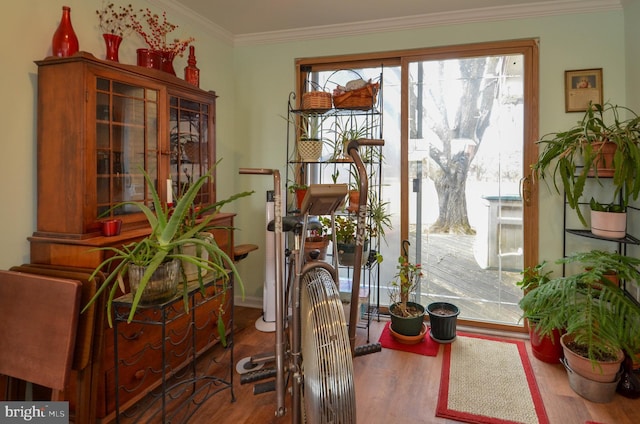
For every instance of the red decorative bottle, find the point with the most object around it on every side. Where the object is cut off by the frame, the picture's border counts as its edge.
(191, 72)
(65, 42)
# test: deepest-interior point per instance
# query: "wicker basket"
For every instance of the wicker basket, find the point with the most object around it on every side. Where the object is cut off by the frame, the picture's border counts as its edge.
(314, 100)
(361, 98)
(309, 150)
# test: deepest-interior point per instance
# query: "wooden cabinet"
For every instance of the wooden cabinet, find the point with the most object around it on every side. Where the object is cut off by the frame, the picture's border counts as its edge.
(100, 125)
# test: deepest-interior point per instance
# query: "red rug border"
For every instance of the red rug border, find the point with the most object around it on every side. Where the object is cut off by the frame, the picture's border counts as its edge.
(442, 408)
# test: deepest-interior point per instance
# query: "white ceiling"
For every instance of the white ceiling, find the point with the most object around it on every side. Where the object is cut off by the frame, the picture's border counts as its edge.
(238, 18)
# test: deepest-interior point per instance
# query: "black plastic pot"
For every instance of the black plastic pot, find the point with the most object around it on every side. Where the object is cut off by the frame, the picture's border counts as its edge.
(443, 318)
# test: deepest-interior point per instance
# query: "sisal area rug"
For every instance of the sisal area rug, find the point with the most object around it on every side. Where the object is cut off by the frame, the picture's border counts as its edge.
(426, 347)
(487, 380)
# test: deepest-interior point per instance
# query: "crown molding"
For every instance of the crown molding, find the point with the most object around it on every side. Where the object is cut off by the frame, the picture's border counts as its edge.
(489, 14)
(208, 26)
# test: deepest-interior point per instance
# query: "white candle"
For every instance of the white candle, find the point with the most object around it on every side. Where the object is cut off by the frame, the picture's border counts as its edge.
(169, 191)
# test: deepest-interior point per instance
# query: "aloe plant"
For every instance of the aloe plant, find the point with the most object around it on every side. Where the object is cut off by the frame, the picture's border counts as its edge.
(171, 229)
(588, 305)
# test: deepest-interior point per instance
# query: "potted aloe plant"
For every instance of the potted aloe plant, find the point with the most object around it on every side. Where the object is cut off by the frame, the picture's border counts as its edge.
(154, 261)
(572, 156)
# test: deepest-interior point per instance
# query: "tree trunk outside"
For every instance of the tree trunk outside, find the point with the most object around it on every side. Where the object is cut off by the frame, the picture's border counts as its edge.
(480, 87)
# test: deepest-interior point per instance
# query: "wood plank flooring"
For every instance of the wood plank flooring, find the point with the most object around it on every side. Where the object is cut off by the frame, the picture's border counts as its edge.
(398, 387)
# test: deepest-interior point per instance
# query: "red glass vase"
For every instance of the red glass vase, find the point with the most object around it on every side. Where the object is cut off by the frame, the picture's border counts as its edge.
(191, 71)
(112, 42)
(148, 58)
(166, 64)
(65, 41)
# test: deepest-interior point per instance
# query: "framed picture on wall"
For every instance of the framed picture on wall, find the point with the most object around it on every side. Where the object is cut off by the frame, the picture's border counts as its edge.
(581, 87)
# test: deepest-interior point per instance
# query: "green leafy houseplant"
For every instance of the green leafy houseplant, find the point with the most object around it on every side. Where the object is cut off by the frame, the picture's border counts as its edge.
(572, 156)
(403, 288)
(171, 229)
(587, 305)
(532, 277)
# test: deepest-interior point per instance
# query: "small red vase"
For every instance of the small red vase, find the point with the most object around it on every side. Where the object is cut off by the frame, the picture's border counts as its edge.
(148, 58)
(167, 62)
(65, 41)
(112, 42)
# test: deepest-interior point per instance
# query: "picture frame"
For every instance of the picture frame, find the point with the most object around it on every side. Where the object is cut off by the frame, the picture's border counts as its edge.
(582, 86)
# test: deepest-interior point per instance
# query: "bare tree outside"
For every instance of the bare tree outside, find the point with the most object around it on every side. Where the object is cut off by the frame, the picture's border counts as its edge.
(459, 128)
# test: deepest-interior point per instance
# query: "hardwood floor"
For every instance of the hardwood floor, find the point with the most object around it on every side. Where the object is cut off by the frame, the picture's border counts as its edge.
(399, 387)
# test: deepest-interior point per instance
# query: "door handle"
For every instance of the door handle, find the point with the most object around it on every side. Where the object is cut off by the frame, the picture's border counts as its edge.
(525, 190)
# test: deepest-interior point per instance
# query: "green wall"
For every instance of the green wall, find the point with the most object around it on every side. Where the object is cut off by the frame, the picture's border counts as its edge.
(253, 82)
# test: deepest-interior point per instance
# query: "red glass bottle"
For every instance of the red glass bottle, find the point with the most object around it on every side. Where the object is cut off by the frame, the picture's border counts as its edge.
(191, 72)
(64, 42)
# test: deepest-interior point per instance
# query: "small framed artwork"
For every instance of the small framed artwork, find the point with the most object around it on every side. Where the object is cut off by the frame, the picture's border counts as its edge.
(581, 87)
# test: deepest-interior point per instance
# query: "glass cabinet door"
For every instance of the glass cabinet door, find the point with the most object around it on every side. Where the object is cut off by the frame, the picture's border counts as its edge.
(189, 136)
(126, 144)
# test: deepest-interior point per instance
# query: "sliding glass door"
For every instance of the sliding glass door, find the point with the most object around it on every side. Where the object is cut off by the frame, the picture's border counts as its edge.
(460, 125)
(465, 163)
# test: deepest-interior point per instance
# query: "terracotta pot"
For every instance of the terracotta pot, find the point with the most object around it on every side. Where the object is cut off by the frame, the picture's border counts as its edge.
(316, 243)
(609, 224)
(354, 199)
(604, 161)
(604, 372)
(300, 193)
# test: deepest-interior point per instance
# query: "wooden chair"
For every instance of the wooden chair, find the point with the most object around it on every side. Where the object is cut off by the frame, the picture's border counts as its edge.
(39, 317)
(89, 338)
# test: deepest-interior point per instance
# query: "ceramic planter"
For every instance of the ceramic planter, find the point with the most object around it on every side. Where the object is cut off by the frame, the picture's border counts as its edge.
(191, 270)
(609, 224)
(407, 326)
(548, 348)
(443, 318)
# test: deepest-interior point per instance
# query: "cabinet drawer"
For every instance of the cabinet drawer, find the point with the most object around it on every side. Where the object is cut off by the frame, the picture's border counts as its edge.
(207, 320)
(140, 345)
